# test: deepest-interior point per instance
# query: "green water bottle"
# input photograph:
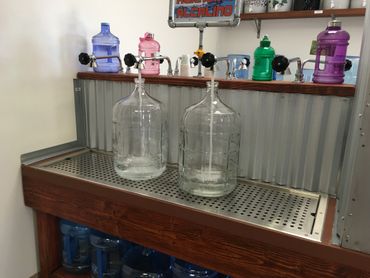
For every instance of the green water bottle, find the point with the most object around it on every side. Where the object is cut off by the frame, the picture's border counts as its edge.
(263, 56)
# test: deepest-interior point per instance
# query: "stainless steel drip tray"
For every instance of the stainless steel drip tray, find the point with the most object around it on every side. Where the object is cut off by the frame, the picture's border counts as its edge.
(282, 209)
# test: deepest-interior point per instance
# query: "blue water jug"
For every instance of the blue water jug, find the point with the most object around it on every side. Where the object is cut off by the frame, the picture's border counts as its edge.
(106, 44)
(182, 269)
(144, 262)
(75, 246)
(106, 255)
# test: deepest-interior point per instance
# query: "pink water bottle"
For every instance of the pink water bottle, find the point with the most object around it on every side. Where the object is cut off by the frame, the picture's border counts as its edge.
(331, 49)
(148, 47)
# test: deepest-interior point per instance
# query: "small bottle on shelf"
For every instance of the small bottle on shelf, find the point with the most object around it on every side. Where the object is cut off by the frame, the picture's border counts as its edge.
(263, 56)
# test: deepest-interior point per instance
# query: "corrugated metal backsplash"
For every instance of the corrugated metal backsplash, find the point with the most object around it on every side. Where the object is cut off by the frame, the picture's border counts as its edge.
(294, 140)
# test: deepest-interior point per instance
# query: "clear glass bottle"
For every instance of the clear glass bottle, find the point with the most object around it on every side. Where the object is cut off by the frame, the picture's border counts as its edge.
(209, 147)
(139, 135)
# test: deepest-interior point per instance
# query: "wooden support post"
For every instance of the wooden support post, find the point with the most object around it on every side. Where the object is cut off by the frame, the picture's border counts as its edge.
(48, 243)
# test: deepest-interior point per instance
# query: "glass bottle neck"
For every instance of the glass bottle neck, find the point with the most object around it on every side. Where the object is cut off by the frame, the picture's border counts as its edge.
(212, 90)
(139, 87)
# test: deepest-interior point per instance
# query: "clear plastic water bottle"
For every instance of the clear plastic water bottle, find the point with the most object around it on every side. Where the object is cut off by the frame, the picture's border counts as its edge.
(139, 135)
(149, 47)
(332, 48)
(182, 269)
(142, 262)
(76, 250)
(106, 44)
(106, 255)
(209, 147)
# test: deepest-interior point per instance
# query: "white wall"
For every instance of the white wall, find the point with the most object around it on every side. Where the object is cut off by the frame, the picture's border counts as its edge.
(40, 41)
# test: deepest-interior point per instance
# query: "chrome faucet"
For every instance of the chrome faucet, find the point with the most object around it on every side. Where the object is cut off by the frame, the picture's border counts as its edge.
(86, 59)
(225, 59)
(281, 63)
(138, 61)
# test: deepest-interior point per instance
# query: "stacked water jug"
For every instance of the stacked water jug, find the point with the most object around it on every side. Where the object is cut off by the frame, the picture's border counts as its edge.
(86, 249)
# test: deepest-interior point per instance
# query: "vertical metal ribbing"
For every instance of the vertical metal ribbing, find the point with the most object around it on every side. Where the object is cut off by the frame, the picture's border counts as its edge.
(287, 139)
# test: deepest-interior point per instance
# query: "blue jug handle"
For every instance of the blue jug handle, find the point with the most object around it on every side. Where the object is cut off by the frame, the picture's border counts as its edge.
(67, 248)
(101, 257)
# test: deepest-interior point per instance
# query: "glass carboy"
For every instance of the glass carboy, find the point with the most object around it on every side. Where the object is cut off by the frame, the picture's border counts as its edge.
(209, 147)
(139, 135)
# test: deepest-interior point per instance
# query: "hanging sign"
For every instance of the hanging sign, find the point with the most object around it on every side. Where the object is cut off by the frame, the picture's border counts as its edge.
(194, 13)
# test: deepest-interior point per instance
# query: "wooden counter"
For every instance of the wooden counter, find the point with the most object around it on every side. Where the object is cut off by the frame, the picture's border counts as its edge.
(223, 244)
(343, 90)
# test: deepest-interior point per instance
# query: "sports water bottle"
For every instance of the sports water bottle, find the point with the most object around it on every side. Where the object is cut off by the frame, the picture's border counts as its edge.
(149, 47)
(106, 44)
(332, 48)
(263, 56)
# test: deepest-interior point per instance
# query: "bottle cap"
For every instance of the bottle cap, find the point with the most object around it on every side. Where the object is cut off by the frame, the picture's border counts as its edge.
(265, 42)
(335, 23)
(149, 35)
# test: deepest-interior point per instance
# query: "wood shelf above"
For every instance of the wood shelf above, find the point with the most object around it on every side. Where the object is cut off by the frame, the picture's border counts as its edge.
(343, 90)
(305, 14)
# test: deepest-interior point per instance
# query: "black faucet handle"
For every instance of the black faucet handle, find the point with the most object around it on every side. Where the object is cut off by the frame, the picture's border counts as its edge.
(347, 65)
(280, 63)
(248, 61)
(194, 61)
(84, 58)
(130, 60)
(208, 60)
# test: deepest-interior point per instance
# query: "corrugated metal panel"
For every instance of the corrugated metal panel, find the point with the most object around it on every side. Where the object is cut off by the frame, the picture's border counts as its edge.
(287, 139)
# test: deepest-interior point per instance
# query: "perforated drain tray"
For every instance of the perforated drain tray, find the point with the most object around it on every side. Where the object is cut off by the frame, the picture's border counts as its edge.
(290, 211)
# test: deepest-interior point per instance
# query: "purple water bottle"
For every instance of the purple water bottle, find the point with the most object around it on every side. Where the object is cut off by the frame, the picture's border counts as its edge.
(332, 49)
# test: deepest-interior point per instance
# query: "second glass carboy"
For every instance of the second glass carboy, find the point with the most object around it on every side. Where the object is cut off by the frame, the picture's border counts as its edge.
(139, 135)
(209, 147)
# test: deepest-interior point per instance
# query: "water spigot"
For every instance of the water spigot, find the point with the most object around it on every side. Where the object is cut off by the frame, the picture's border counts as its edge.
(209, 60)
(138, 61)
(280, 64)
(86, 59)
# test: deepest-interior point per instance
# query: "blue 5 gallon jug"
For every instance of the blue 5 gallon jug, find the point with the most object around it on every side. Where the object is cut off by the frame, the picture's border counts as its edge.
(106, 44)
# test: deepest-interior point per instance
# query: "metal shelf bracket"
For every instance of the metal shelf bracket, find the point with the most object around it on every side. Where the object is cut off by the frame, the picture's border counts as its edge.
(258, 23)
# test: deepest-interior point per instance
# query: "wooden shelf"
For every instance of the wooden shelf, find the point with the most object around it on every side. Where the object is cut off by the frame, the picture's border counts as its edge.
(224, 244)
(343, 90)
(305, 14)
